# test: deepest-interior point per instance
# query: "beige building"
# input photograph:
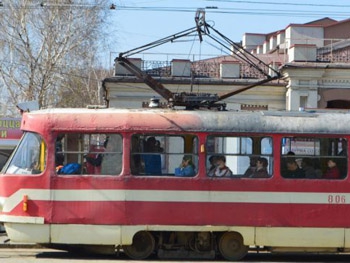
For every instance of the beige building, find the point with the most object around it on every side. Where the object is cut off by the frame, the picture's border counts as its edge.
(313, 60)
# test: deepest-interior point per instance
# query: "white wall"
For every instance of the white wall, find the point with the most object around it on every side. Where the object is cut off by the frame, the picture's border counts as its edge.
(304, 35)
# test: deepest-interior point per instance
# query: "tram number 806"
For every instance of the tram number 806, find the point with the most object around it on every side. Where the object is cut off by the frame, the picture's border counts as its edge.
(336, 199)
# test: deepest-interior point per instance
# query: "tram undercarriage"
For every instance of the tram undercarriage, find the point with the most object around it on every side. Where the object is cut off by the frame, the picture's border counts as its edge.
(206, 245)
(186, 245)
(193, 245)
(171, 245)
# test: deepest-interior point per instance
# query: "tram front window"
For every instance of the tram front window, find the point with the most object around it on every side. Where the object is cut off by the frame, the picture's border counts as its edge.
(29, 157)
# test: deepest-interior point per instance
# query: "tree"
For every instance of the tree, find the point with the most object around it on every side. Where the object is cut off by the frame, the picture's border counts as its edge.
(79, 91)
(49, 48)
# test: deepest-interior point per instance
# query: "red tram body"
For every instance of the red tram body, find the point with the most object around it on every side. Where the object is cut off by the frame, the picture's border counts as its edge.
(178, 216)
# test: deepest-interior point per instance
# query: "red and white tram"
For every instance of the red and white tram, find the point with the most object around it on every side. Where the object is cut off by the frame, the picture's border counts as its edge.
(109, 179)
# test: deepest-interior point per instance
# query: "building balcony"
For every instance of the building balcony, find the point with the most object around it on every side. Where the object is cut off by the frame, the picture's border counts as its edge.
(233, 67)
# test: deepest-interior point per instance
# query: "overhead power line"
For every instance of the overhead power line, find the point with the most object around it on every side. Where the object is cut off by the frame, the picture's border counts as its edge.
(280, 3)
(243, 11)
(323, 9)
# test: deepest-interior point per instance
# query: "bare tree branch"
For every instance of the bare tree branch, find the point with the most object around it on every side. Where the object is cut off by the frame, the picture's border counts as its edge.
(48, 48)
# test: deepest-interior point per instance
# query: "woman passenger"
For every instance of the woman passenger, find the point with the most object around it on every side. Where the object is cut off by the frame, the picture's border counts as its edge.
(333, 171)
(187, 167)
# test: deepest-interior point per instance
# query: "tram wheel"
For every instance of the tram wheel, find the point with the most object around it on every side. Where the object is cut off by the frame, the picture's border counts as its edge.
(142, 247)
(231, 246)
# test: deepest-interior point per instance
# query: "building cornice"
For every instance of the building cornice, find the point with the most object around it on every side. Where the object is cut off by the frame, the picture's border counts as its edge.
(195, 81)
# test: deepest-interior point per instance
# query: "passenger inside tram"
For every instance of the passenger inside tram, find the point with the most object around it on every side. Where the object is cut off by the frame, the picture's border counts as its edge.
(187, 168)
(343, 151)
(293, 170)
(310, 169)
(221, 169)
(320, 157)
(333, 171)
(59, 157)
(152, 162)
(252, 166)
(212, 161)
(96, 159)
(261, 169)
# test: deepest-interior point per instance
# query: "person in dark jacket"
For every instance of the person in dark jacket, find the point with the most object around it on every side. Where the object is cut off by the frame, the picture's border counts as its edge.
(261, 168)
(293, 170)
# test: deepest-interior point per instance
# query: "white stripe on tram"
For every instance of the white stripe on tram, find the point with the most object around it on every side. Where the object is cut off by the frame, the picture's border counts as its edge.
(174, 196)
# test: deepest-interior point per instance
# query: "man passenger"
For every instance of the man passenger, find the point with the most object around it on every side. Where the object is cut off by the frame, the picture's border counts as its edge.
(293, 170)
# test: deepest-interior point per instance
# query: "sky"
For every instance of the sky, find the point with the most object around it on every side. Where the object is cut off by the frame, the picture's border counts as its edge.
(139, 22)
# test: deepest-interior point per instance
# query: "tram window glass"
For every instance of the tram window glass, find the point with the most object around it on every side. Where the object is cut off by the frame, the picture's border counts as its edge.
(314, 158)
(82, 153)
(29, 157)
(3, 158)
(162, 154)
(241, 155)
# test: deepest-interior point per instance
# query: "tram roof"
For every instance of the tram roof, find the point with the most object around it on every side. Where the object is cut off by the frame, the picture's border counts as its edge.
(112, 119)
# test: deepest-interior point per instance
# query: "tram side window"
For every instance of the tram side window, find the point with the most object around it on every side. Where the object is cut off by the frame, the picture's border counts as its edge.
(162, 154)
(29, 157)
(314, 158)
(237, 157)
(83, 153)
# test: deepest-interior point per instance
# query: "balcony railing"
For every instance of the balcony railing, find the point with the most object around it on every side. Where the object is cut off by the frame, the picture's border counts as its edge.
(335, 51)
(199, 69)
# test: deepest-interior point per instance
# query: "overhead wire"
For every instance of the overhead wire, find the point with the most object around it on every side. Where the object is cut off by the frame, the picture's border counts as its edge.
(246, 11)
(220, 10)
(226, 10)
(250, 11)
(255, 10)
(280, 3)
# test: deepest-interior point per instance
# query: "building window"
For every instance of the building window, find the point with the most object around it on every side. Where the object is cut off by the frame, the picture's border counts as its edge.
(303, 102)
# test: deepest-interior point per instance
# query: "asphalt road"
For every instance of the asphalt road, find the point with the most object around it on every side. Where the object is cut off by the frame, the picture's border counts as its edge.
(29, 255)
(19, 253)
